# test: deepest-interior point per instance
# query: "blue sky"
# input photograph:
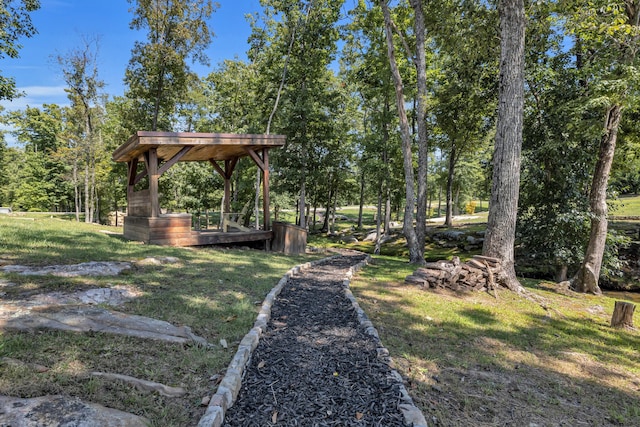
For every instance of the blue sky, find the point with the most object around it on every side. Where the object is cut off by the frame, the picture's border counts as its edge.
(62, 24)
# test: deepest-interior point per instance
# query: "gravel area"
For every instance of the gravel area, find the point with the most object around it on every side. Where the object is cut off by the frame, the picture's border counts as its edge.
(320, 362)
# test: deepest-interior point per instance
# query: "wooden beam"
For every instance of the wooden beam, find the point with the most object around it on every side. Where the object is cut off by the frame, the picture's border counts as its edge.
(152, 167)
(140, 176)
(258, 161)
(230, 166)
(165, 167)
(265, 189)
(217, 167)
(133, 167)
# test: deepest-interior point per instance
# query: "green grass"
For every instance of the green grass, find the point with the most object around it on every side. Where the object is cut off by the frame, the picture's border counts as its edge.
(472, 359)
(214, 291)
(469, 359)
(626, 206)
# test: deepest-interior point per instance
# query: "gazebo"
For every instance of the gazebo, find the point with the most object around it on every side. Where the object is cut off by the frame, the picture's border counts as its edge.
(159, 151)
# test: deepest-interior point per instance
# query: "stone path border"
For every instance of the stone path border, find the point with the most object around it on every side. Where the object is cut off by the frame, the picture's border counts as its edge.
(229, 387)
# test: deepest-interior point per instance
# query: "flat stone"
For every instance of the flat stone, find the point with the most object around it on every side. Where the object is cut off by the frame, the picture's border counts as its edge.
(85, 319)
(157, 261)
(93, 268)
(60, 411)
(114, 296)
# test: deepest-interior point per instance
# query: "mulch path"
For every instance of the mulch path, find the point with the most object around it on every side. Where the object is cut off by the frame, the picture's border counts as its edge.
(315, 365)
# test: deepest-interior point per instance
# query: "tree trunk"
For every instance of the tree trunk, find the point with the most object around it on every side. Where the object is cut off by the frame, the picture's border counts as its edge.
(448, 221)
(586, 279)
(327, 209)
(303, 214)
(361, 201)
(376, 250)
(387, 211)
(416, 248)
(335, 209)
(87, 195)
(561, 273)
(76, 190)
(623, 315)
(501, 226)
(423, 152)
(256, 201)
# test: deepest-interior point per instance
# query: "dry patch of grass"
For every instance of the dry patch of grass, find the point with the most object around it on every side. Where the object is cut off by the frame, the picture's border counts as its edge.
(472, 359)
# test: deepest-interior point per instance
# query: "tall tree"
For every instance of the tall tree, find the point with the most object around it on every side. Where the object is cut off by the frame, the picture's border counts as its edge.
(609, 31)
(15, 22)
(500, 237)
(300, 37)
(80, 71)
(158, 75)
(413, 203)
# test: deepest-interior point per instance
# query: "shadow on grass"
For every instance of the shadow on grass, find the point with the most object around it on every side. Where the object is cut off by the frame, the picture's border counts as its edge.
(474, 360)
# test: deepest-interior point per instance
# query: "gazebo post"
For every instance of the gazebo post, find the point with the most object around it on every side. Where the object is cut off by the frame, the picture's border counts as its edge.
(265, 189)
(131, 178)
(228, 171)
(153, 182)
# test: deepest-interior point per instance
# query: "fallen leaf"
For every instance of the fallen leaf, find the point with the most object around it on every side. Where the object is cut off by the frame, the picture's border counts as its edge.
(359, 415)
(205, 401)
(261, 364)
(274, 417)
(335, 374)
(223, 343)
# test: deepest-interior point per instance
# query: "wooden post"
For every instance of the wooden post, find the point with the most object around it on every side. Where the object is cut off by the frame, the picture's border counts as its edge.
(131, 178)
(227, 186)
(153, 182)
(623, 315)
(265, 189)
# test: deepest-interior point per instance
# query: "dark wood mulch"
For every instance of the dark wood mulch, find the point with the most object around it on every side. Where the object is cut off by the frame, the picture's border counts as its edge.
(315, 365)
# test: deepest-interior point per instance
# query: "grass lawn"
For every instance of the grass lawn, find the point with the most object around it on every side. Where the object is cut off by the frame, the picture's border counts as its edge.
(626, 206)
(214, 291)
(472, 359)
(469, 359)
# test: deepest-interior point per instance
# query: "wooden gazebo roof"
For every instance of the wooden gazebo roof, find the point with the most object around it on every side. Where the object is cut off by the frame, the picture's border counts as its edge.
(194, 146)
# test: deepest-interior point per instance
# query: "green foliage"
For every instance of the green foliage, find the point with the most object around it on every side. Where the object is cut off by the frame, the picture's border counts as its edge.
(36, 178)
(15, 22)
(158, 76)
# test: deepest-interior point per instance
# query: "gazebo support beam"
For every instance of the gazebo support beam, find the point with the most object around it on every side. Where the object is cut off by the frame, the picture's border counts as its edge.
(263, 164)
(265, 189)
(151, 158)
(226, 173)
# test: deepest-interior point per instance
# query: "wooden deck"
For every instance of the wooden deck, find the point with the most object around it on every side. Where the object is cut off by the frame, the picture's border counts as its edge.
(175, 230)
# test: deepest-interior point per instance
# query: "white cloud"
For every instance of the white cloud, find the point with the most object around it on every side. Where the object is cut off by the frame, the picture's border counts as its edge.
(44, 91)
(35, 96)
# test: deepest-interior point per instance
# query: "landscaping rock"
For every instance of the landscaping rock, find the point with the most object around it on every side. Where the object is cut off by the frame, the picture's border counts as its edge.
(371, 237)
(81, 319)
(450, 235)
(143, 385)
(157, 261)
(60, 411)
(114, 296)
(92, 268)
